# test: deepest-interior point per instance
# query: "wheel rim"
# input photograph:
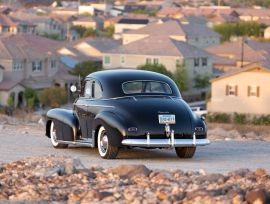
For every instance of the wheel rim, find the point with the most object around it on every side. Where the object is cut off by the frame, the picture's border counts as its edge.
(103, 142)
(53, 135)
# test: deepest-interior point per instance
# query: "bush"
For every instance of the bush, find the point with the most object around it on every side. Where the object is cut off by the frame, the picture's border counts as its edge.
(31, 97)
(261, 120)
(53, 97)
(10, 101)
(219, 118)
(239, 118)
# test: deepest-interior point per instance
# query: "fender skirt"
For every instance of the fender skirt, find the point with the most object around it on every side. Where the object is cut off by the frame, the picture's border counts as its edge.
(64, 119)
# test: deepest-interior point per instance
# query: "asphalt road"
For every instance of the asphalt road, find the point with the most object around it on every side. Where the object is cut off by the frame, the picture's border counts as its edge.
(17, 142)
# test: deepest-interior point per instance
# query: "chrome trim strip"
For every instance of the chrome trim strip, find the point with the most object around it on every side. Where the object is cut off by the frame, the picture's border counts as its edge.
(88, 144)
(165, 142)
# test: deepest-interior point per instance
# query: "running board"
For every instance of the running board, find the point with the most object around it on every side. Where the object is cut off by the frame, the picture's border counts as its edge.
(87, 142)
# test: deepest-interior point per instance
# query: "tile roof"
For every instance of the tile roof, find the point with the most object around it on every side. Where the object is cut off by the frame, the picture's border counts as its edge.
(160, 28)
(102, 44)
(23, 46)
(160, 46)
(249, 67)
(174, 27)
(6, 85)
(169, 10)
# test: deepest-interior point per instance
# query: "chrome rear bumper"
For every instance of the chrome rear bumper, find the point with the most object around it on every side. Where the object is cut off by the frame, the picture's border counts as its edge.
(165, 142)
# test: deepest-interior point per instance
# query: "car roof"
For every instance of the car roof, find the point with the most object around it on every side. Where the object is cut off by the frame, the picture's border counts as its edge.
(112, 80)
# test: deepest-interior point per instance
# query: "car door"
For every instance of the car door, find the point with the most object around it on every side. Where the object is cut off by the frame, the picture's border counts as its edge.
(82, 105)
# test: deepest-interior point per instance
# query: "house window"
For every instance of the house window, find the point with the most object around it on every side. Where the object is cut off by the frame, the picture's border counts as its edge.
(36, 66)
(17, 66)
(107, 60)
(254, 91)
(148, 60)
(204, 62)
(231, 90)
(53, 64)
(156, 61)
(196, 62)
(123, 59)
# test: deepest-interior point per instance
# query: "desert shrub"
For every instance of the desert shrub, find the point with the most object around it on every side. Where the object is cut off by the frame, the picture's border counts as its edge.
(219, 118)
(239, 118)
(53, 97)
(31, 97)
(261, 120)
(10, 101)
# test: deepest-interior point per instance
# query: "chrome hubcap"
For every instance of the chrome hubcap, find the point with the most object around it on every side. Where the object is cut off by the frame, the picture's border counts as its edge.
(104, 143)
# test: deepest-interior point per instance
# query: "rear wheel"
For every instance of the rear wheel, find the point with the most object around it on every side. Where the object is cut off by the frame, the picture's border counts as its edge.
(105, 149)
(185, 152)
(53, 134)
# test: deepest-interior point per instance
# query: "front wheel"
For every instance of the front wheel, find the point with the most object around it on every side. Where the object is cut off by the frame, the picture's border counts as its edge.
(105, 149)
(53, 134)
(185, 152)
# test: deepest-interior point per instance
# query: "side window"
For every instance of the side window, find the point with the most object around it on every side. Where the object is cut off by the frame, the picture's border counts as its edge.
(97, 90)
(88, 89)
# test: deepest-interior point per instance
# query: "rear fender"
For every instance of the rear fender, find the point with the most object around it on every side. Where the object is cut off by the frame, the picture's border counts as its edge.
(113, 124)
(64, 119)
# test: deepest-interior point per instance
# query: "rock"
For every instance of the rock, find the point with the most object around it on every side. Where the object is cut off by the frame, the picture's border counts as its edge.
(212, 178)
(240, 172)
(202, 172)
(260, 172)
(161, 195)
(87, 172)
(129, 171)
(228, 139)
(257, 197)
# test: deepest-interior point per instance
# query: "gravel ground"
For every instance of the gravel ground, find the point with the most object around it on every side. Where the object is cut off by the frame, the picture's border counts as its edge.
(20, 141)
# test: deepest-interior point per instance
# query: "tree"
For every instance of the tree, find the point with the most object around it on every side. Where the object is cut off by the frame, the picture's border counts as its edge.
(242, 28)
(79, 29)
(106, 32)
(53, 97)
(201, 81)
(89, 32)
(180, 77)
(31, 98)
(159, 68)
(85, 68)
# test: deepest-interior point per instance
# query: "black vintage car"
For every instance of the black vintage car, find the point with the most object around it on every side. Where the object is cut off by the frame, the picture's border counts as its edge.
(127, 108)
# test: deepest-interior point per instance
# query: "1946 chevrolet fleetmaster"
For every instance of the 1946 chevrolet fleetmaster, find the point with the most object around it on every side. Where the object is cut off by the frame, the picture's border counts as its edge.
(127, 108)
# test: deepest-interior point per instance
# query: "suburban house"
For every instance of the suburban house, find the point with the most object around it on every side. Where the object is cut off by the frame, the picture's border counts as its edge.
(253, 14)
(92, 8)
(161, 50)
(93, 22)
(234, 92)
(194, 34)
(126, 24)
(87, 49)
(233, 55)
(29, 61)
(14, 26)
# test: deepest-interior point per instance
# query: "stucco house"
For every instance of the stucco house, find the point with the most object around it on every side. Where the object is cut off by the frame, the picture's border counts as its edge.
(195, 34)
(161, 50)
(14, 26)
(228, 56)
(29, 61)
(242, 91)
(93, 22)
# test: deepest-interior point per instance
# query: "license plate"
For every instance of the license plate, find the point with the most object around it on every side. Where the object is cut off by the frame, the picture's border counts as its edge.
(166, 119)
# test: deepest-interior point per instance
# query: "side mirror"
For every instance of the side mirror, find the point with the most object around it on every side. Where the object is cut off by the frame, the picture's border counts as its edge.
(73, 88)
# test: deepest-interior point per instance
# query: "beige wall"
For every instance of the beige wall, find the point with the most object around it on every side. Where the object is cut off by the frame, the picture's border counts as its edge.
(267, 33)
(119, 27)
(241, 103)
(5, 94)
(1, 74)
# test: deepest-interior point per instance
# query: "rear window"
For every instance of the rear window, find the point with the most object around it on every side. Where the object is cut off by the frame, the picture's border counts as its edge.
(146, 87)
